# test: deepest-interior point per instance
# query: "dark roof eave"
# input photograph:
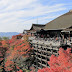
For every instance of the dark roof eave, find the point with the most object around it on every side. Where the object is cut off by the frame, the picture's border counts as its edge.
(53, 29)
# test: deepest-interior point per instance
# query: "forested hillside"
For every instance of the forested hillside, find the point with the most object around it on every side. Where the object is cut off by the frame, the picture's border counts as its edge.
(15, 54)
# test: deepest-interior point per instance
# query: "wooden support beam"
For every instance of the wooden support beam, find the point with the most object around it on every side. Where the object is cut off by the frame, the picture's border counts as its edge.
(42, 64)
(48, 57)
(45, 60)
(35, 48)
(46, 51)
(55, 48)
(42, 55)
(55, 53)
(39, 68)
(39, 58)
(39, 46)
(47, 47)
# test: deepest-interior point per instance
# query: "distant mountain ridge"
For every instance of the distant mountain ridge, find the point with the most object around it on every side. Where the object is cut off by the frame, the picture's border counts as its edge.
(8, 34)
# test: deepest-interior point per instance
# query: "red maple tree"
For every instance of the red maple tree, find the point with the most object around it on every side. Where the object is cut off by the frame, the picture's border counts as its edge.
(18, 51)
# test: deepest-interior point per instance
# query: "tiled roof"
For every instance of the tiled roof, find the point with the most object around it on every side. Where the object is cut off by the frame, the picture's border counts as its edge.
(62, 22)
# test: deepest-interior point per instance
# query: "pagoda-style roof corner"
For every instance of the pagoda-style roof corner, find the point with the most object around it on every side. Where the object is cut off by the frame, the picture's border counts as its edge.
(37, 27)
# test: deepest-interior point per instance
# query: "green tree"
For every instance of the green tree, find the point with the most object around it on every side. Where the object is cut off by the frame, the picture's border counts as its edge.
(5, 38)
(0, 38)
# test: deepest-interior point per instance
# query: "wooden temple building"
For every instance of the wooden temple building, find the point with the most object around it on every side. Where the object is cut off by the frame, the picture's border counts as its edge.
(55, 27)
(60, 23)
(54, 32)
(35, 28)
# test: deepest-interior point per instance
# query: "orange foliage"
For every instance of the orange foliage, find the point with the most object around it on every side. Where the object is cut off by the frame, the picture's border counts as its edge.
(18, 48)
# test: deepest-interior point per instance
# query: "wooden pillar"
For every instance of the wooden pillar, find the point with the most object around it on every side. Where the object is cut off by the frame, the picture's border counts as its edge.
(51, 49)
(46, 57)
(69, 36)
(41, 56)
(37, 58)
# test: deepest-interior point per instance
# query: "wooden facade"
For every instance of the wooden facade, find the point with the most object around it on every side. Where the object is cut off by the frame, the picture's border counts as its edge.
(42, 54)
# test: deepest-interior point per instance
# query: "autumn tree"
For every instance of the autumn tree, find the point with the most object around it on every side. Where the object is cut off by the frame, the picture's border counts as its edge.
(2, 58)
(19, 54)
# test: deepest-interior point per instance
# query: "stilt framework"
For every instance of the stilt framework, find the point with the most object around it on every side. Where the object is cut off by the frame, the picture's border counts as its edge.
(42, 54)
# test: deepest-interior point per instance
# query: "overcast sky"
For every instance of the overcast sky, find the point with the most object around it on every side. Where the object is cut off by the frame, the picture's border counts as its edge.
(17, 15)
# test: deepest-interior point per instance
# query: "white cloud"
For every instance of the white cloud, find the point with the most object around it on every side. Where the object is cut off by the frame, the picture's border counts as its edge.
(15, 13)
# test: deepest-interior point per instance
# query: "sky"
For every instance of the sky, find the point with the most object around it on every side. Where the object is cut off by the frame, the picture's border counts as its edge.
(19, 15)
